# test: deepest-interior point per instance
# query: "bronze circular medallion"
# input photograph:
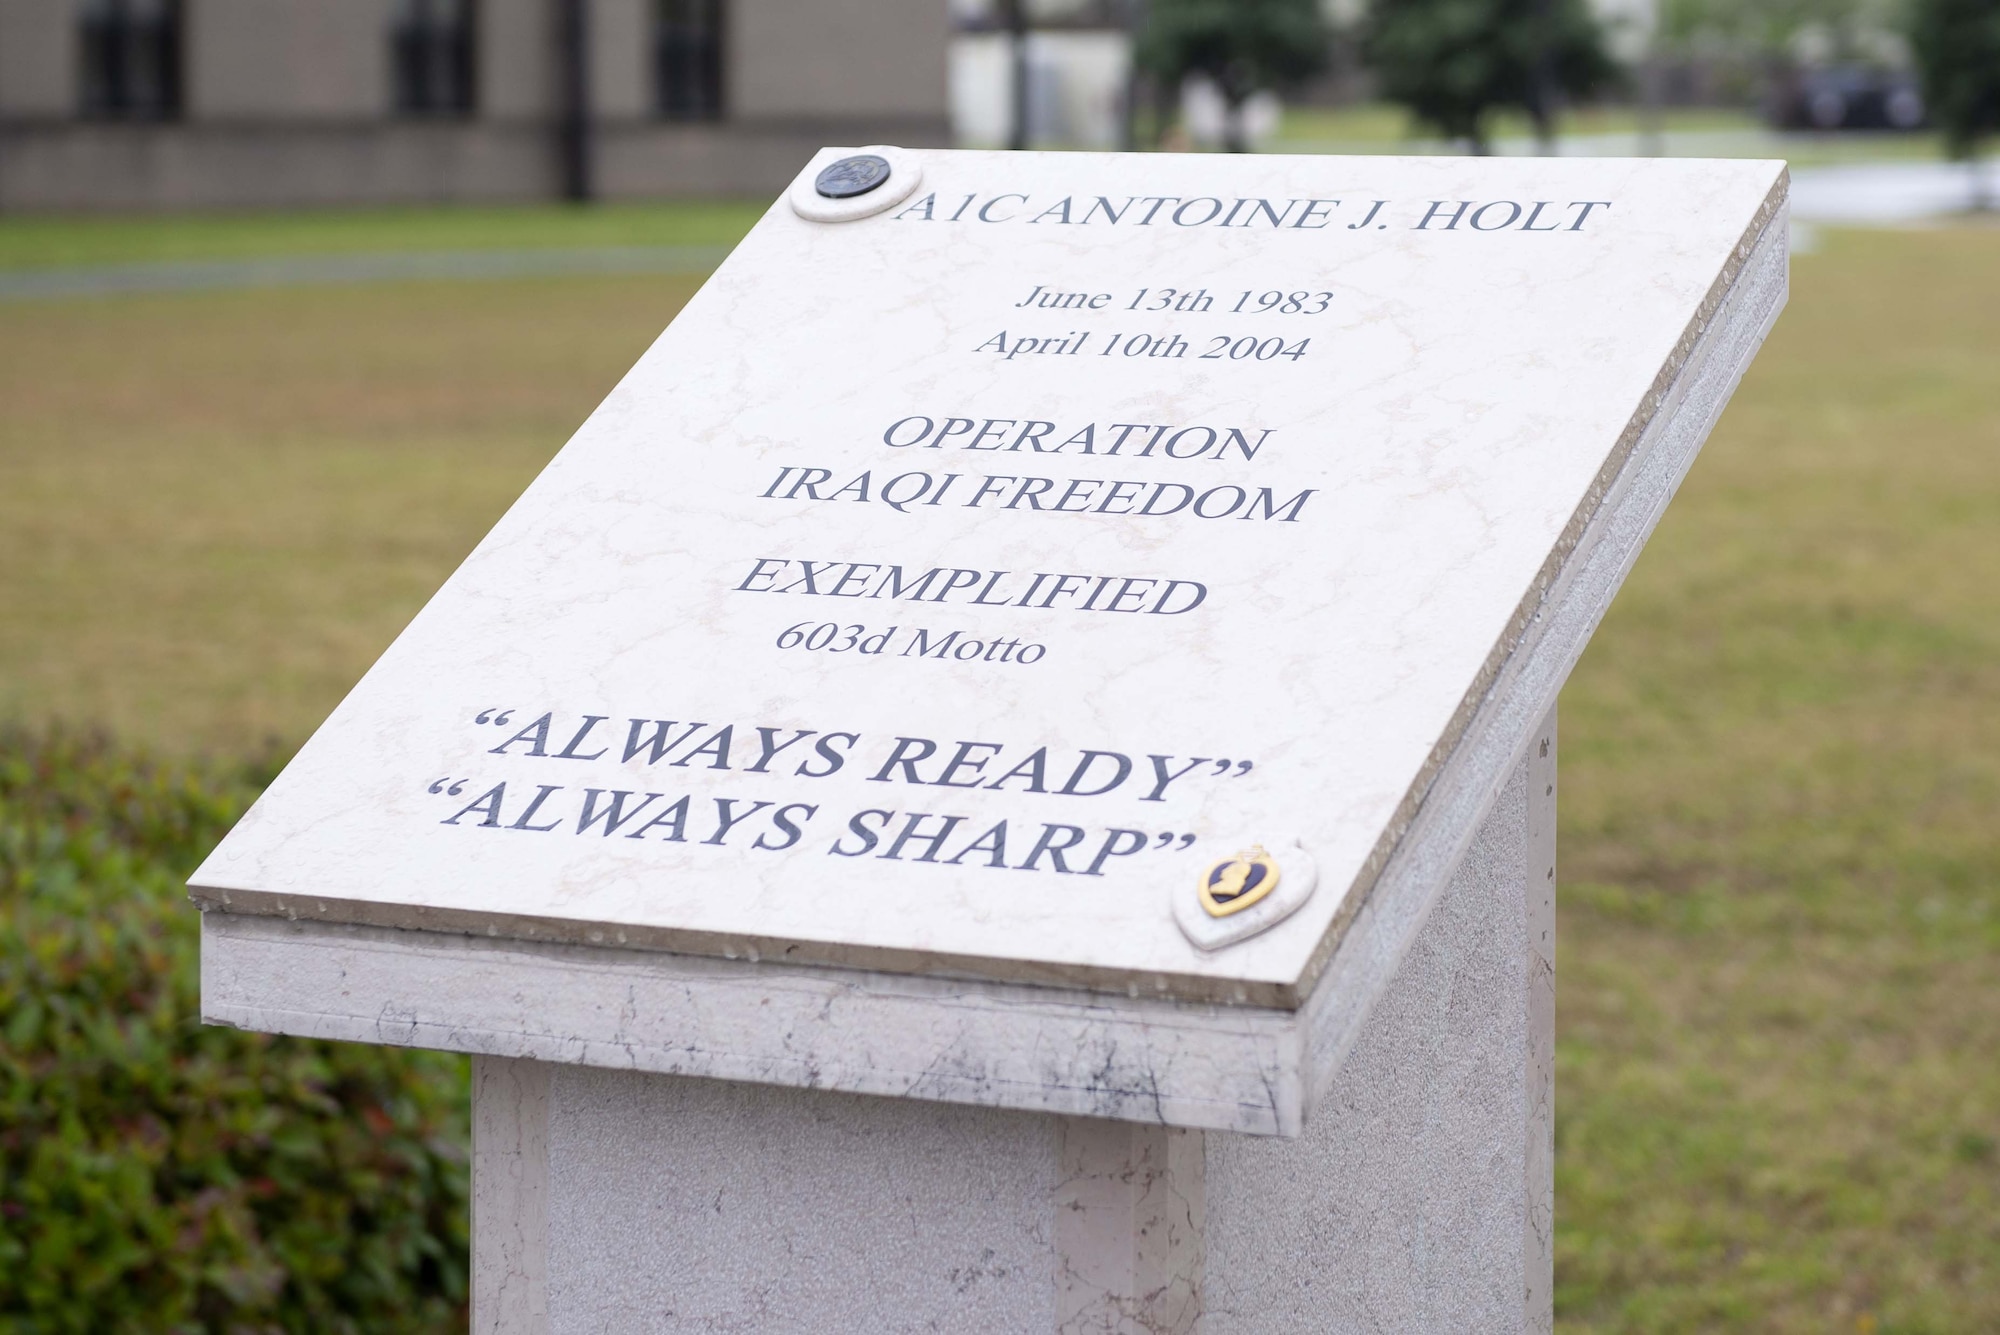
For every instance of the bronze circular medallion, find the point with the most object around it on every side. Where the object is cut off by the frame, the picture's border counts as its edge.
(852, 176)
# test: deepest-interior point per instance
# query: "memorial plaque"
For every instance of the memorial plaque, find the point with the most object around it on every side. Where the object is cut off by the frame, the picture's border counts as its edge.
(1050, 568)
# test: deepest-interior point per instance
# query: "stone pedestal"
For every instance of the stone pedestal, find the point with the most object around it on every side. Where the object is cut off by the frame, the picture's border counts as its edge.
(833, 1071)
(1419, 1197)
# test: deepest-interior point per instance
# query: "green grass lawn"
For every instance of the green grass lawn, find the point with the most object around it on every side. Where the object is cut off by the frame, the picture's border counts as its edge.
(1779, 970)
(1386, 123)
(40, 242)
(220, 507)
(1706, 132)
(65, 241)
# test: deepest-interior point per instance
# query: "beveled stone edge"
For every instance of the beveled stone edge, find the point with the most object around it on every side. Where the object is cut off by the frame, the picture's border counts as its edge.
(1519, 636)
(652, 940)
(1225, 1068)
(1728, 332)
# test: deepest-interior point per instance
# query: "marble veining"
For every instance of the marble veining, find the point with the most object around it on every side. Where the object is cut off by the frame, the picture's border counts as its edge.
(1461, 410)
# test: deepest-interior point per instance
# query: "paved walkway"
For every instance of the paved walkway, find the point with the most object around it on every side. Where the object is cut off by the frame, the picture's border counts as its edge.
(1862, 194)
(316, 270)
(1888, 193)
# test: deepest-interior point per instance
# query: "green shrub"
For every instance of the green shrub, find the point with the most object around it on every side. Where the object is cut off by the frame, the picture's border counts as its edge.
(160, 1175)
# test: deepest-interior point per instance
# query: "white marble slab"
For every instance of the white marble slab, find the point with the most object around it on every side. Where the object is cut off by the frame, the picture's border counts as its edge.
(1402, 483)
(1244, 1068)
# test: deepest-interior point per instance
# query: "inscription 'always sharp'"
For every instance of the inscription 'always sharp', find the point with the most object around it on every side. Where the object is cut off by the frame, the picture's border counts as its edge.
(1050, 846)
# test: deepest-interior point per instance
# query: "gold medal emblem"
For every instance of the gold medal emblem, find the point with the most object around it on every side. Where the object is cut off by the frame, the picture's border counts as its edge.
(1235, 883)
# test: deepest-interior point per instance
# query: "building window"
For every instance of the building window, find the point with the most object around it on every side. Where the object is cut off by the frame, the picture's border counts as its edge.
(132, 59)
(687, 59)
(431, 56)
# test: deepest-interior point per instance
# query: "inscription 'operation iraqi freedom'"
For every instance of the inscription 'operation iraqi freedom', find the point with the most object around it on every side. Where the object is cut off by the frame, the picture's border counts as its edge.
(1010, 491)
(1134, 440)
(1141, 497)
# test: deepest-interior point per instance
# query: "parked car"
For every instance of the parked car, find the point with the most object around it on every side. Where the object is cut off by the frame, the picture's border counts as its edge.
(1850, 97)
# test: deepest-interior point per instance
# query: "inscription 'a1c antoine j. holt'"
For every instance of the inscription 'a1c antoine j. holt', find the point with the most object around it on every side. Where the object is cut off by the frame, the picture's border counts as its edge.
(1251, 212)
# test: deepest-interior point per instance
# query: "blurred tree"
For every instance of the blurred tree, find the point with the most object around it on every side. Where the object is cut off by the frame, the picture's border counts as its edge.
(1777, 29)
(1753, 50)
(1242, 45)
(1957, 45)
(1454, 62)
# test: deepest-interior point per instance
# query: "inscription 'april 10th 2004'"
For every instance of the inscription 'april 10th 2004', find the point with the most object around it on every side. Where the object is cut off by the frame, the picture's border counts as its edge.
(1121, 343)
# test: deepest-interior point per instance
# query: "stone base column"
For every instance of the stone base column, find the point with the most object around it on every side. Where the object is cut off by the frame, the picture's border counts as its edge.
(1420, 1197)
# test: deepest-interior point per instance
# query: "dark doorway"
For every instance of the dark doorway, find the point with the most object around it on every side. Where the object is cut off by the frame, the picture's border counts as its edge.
(687, 59)
(132, 59)
(431, 49)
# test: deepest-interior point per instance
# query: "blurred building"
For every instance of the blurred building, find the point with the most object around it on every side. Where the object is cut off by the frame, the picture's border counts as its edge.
(216, 103)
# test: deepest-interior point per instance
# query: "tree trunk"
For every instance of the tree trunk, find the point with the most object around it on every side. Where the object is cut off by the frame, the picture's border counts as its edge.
(1128, 119)
(1652, 121)
(1545, 88)
(573, 127)
(1235, 139)
(1017, 30)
